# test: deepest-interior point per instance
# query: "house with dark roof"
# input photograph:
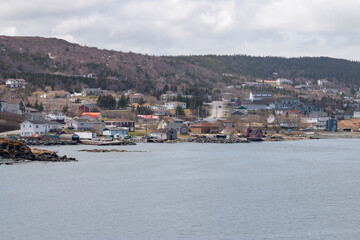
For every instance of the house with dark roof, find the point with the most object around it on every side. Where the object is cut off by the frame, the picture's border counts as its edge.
(34, 116)
(166, 120)
(88, 107)
(181, 128)
(256, 105)
(57, 116)
(164, 134)
(15, 106)
(92, 92)
(225, 124)
(116, 123)
(306, 108)
(80, 124)
(254, 133)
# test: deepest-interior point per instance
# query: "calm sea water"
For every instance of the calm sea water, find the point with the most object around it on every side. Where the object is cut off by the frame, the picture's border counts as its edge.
(278, 190)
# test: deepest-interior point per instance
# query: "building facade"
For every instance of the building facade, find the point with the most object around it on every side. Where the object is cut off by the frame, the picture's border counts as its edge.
(30, 128)
(173, 105)
(117, 123)
(15, 83)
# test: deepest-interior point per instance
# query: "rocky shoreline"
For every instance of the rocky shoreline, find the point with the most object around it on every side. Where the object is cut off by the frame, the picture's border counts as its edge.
(215, 140)
(108, 143)
(52, 142)
(12, 151)
(47, 142)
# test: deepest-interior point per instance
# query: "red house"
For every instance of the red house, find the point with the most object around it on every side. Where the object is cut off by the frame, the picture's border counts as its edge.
(88, 107)
(114, 123)
(254, 134)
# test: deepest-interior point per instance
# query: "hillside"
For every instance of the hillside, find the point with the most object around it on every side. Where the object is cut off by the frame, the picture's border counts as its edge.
(336, 70)
(63, 65)
(37, 59)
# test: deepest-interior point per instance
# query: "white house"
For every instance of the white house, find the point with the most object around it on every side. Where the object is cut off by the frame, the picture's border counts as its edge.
(56, 116)
(30, 127)
(356, 114)
(168, 96)
(80, 124)
(86, 135)
(322, 82)
(155, 108)
(255, 96)
(283, 81)
(316, 121)
(120, 132)
(173, 105)
(15, 83)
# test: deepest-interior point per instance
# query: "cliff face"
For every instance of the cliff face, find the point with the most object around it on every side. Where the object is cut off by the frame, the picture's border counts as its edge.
(17, 151)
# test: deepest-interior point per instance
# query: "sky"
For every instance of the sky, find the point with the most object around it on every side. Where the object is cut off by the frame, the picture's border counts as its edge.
(288, 28)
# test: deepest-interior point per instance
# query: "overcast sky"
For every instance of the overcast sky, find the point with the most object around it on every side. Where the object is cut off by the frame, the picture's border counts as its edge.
(287, 28)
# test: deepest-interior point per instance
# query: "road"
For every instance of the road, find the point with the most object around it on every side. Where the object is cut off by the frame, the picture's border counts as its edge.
(4, 134)
(217, 109)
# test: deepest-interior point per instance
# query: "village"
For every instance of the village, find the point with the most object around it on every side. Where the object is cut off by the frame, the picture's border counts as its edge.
(270, 110)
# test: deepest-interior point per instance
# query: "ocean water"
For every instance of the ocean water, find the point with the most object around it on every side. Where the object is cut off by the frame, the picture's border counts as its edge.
(270, 190)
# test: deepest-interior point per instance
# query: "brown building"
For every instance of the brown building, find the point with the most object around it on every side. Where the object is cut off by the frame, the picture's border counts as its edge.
(204, 127)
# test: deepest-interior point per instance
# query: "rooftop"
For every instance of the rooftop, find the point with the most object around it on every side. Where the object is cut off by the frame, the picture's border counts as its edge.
(203, 124)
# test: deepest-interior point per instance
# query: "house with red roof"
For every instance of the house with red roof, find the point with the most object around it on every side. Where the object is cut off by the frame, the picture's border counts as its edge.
(91, 116)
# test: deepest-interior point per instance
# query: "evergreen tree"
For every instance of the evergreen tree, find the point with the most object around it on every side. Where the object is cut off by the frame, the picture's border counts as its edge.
(179, 110)
(123, 102)
(141, 101)
(65, 109)
(36, 105)
(106, 102)
(166, 88)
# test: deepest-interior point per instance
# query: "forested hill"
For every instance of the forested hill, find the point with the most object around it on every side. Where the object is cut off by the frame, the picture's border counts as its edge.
(336, 70)
(63, 65)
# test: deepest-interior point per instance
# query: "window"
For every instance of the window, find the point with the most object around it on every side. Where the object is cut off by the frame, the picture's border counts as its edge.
(37, 126)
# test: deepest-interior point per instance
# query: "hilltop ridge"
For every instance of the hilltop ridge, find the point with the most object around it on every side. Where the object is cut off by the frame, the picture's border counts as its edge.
(39, 58)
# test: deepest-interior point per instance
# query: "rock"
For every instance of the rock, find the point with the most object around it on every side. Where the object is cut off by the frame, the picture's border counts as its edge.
(18, 151)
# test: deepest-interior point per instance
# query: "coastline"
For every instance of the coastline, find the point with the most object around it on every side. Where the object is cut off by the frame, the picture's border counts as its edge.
(12, 151)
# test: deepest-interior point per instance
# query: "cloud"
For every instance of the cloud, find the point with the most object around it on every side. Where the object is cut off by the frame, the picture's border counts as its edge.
(160, 27)
(8, 30)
